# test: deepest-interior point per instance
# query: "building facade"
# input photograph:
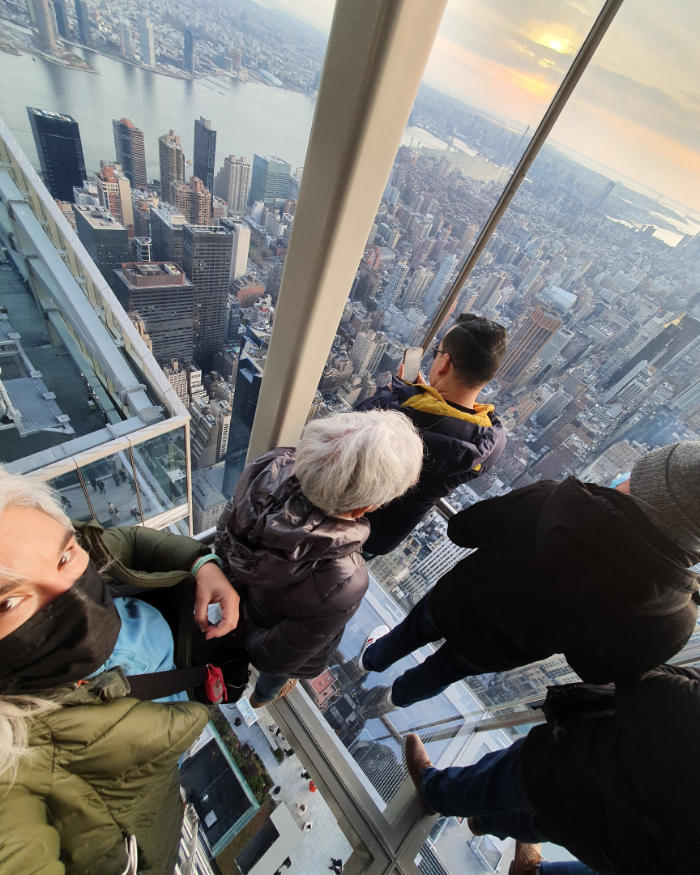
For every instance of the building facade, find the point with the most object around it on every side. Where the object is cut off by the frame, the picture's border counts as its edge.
(60, 151)
(131, 152)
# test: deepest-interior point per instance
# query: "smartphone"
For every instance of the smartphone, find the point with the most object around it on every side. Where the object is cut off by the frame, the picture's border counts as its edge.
(412, 357)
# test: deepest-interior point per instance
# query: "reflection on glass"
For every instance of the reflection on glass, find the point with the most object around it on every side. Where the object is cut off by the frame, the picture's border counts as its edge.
(72, 496)
(110, 485)
(161, 471)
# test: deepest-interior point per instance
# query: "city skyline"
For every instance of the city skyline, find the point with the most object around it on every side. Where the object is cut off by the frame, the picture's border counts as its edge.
(635, 109)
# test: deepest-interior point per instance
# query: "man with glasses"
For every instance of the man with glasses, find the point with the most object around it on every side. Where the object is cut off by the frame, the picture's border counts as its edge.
(462, 437)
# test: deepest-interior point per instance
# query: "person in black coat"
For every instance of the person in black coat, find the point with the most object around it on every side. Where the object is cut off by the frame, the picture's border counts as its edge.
(600, 575)
(613, 777)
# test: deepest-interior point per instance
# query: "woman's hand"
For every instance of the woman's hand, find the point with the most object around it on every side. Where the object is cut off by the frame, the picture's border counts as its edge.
(213, 588)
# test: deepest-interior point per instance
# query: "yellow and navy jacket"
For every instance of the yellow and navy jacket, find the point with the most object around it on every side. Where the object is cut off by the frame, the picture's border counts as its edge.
(459, 445)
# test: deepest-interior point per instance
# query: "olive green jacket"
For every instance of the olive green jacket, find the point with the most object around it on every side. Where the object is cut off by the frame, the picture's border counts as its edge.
(104, 766)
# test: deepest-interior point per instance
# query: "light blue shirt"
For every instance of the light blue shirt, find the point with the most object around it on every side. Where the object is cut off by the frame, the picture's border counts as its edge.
(145, 643)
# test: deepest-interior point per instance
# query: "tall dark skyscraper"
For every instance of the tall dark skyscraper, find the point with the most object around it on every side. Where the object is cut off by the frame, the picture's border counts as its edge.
(662, 348)
(188, 55)
(204, 152)
(82, 16)
(206, 258)
(131, 152)
(59, 7)
(60, 151)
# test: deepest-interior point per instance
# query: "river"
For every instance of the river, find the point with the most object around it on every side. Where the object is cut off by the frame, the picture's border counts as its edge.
(248, 117)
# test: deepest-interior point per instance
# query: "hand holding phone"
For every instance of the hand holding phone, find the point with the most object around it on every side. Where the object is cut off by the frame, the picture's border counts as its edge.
(412, 357)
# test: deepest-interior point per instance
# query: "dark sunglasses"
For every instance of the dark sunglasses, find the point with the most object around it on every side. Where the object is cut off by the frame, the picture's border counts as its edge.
(435, 351)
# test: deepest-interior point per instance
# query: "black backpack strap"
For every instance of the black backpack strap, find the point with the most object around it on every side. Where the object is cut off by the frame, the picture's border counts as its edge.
(159, 684)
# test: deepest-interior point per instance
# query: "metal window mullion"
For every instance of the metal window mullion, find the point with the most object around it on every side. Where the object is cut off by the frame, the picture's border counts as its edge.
(559, 101)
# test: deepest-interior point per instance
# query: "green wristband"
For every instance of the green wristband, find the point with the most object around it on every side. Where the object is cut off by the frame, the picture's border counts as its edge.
(210, 557)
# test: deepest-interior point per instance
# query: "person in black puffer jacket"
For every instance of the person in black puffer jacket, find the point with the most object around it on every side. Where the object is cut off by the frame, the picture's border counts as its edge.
(292, 534)
(600, 575)
(613, 777)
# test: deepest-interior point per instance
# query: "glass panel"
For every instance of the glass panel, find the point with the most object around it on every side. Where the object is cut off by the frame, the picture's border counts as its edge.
(162, 472)
(72, 495)
(110, 482)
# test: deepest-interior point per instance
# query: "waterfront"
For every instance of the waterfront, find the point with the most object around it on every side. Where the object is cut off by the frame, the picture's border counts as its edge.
(249, 117)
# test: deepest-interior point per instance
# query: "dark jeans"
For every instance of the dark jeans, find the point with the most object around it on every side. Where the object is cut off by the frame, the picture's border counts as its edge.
(268, 685)
(491, 792)
(434, 675)
(567, 867)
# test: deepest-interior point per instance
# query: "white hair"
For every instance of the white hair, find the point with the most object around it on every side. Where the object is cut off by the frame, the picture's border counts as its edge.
(16, 714)
(19, 490)
(355, 460)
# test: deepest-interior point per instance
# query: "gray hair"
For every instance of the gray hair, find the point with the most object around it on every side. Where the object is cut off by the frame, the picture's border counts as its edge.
(16, 715)
(18, 490)
(354, 460)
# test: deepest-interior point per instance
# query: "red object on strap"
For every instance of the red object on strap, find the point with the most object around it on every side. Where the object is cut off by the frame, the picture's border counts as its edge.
(214, 685)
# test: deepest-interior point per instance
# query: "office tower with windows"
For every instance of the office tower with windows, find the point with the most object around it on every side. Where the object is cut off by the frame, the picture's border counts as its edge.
(87, 398)
(167, 226)
(392, 290)
(188, 54)
(251, 365)
(443, 278)
(204, 151)
(46, 24)
(206, 258)
(131, 152)
(59, 8)
(82, 17)
(172, 163)
(193, 200)
(115, 194)
(163, 297)
(60, 151)
(146, 44)
(270, 180)
(210, 426)
(241, 246)
(104, 238)
(669, 343)
(232, 184)
(536, 330)
(127, 41)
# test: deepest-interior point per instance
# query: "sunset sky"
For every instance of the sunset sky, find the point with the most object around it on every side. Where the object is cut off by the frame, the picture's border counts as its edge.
(637, 108)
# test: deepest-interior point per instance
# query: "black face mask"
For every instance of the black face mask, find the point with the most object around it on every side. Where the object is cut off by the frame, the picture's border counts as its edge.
(68, 639)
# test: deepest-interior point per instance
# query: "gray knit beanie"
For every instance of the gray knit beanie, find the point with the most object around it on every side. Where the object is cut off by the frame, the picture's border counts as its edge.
(667, 484)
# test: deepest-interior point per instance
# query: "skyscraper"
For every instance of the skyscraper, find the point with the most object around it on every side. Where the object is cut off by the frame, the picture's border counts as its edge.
(60, 151)
(204, 151)
(131, 153)
(167, 226)
(59, 8)
(439, 284)
(206, 256)
(193, 200)
(105, 240)
(163, 297)
(270, 179)
(188, 56)
(46, 24)
(232, 184)
(172, 163)
(82, 16)
(115, 194)
(241, 246)
(536, 330)
(127, 42)
(148, 52)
